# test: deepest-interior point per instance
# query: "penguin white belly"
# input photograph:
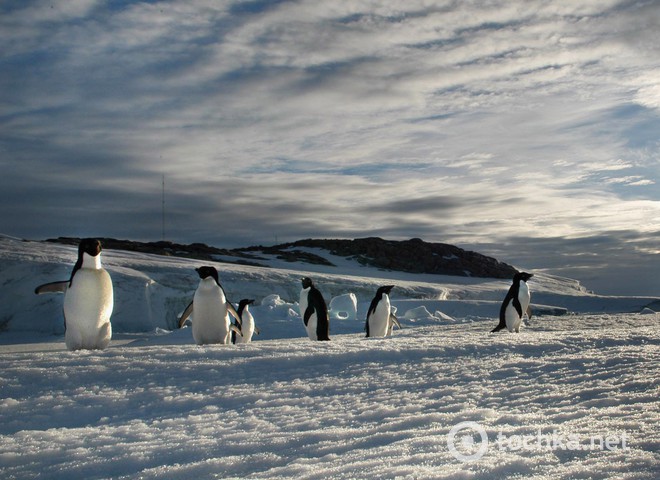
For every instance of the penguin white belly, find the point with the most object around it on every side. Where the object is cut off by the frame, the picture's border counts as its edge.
(88, 304)
(311, 327)
(247, 328)
(210, 323)
(311, 324)
(512, 318)
(524, 296)
(379, 321)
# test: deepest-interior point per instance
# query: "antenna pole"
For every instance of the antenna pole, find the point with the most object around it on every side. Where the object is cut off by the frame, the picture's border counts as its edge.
(163, 210)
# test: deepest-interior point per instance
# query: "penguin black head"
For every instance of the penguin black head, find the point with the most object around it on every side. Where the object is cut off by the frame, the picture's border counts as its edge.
(307, 282)
(90, 246)
(385, 289)
(242, 305)
(205, 272)
(524, 276)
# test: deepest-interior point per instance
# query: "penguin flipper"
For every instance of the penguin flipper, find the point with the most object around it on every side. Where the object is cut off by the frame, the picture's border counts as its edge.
(322, 325)
(308, 314)
(186, 313)
(52, 287)
(234, 313)
(256, 330)
(395, 320)
(235, 329)
(516, 304)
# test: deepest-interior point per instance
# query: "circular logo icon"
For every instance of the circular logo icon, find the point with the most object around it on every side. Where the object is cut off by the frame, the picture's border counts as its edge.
(463, 446)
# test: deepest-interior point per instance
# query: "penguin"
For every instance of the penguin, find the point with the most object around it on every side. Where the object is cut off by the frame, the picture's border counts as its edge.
(314, 311)
(210, 310)
(88, 300)
(515, 304)
(247, 323)
(380, 320)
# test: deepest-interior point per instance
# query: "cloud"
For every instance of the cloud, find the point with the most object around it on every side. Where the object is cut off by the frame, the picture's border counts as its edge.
(618, 262)
(456, 122)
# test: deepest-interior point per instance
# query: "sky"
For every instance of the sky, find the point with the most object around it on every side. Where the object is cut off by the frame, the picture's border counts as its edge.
(528, 130)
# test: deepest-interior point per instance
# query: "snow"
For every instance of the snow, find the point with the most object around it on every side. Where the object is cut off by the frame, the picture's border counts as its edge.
(572, 396)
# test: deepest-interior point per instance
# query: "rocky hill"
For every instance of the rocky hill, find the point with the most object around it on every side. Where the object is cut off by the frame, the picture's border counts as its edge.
(413, 256)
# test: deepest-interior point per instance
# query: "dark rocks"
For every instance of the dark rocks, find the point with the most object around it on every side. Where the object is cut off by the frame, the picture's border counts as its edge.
(412, 256)
(284, 252)
(198, 251)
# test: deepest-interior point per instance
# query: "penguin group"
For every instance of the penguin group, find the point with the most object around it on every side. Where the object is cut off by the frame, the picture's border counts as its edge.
(88, 305)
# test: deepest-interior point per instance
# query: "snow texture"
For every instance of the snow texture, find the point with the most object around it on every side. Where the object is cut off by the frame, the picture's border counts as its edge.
(571, 396)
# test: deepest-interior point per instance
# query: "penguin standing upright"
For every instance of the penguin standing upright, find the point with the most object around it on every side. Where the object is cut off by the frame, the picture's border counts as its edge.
(88, 300)
(515, 303)
(248, 328)
(379, 317)
(314, 311)
(210, 310)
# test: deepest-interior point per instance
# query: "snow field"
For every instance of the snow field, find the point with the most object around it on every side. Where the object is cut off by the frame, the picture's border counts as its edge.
(154, 405)
(351, 408)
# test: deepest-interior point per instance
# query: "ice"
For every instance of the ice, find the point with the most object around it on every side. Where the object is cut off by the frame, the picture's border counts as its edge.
(343, 307)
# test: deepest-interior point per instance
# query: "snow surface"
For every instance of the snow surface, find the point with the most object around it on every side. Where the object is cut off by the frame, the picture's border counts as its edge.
(154, 405)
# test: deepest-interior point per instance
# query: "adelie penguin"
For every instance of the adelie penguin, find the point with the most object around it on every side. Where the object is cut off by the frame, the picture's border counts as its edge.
(248, 328)
(380, 319)
(515, 304)
(88, 300)
(210, 310)
(314, 311)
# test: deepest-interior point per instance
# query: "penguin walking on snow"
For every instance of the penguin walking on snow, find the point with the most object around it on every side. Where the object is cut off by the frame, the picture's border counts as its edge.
(314, 311)
(515, 304)
(88, 300)
(210, 310)
(247, 323)
(380, 319)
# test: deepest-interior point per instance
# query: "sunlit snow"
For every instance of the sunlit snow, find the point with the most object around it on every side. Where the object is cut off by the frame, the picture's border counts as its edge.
(572, 396)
